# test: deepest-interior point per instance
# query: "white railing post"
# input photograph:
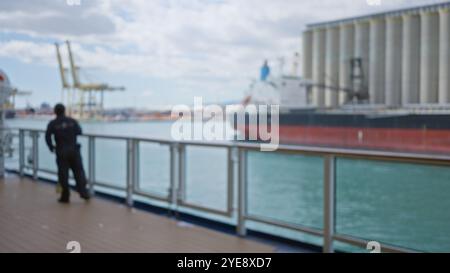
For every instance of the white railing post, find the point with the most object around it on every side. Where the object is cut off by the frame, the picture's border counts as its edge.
(242, 192)
(91, 162)
(34, 136)
(130, 172)
(2, 150)
(231, 167)
(136, 157)
(173, 197)
(181, 196)
(21, 152)
(329, 202)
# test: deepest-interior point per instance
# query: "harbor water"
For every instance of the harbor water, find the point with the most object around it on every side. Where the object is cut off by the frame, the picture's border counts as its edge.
(401, 204)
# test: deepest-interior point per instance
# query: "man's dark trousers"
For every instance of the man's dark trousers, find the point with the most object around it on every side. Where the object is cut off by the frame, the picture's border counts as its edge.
(70, 158)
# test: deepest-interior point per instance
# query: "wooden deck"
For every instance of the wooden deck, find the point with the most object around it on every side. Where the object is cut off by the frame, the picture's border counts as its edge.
(32, 221)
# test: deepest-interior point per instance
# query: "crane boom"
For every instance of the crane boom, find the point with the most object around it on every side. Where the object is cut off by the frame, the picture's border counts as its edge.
(87, 86)
(89, 89)
(351, 93)
(73, 68)
(62, 70)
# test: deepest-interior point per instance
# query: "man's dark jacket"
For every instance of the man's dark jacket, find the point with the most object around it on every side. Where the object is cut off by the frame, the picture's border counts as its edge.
(65, 131)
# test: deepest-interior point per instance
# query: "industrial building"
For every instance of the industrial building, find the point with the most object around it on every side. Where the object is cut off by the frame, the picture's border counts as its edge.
(404, 54)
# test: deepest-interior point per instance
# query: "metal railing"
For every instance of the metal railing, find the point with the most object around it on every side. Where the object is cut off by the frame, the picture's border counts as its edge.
(237, 166)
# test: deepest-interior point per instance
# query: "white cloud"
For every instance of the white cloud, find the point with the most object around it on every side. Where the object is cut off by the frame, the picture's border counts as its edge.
(202, 44)
(28, 51)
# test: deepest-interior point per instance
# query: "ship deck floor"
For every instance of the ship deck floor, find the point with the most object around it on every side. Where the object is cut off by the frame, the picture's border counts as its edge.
(32, 221)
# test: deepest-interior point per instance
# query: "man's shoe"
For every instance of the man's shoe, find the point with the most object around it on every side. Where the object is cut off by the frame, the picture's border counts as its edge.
(63, 200)
(85, 196)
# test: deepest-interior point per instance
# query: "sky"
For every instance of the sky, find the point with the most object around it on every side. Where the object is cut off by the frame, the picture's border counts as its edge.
(164, 52)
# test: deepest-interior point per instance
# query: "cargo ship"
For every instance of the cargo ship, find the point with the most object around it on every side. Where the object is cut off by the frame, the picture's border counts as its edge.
(377, 81)
(356, 124)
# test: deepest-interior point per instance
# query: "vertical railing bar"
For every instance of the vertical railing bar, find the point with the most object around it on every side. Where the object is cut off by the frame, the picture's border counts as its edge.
(136, 165)
(91, 160)
(242, 192)
(35, 135)
(21, 152)
(231, 153)
(128, 151)
(173, 178)
(181, 173)
(329, 202)
(130, 167)
(2, 149)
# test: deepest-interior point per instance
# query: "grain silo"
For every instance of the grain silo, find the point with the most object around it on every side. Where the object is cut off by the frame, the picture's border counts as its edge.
(404, 55)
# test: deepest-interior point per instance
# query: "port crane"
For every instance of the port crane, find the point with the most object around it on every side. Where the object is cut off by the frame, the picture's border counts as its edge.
(358, 93)
(91, 90)
(352, 94)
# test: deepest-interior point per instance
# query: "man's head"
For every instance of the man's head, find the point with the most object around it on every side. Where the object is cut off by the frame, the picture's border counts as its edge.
(59, 110)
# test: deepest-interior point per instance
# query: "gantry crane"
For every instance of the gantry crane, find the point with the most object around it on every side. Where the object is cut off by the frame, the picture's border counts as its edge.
(358, 93)
(89, 89)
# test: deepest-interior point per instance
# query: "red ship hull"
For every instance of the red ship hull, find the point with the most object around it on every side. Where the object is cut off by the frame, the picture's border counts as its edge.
(408, 140)
(408, 134)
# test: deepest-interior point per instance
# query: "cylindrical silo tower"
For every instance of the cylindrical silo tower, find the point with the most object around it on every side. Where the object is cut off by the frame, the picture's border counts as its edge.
(404, 54)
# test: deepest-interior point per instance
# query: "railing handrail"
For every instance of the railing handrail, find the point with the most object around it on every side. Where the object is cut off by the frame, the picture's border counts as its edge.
(427, 158)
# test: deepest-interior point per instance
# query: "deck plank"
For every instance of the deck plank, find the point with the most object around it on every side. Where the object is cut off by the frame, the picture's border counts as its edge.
(32, 221)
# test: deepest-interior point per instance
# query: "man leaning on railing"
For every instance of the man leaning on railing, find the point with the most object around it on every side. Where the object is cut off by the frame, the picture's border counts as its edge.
(65, 131)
